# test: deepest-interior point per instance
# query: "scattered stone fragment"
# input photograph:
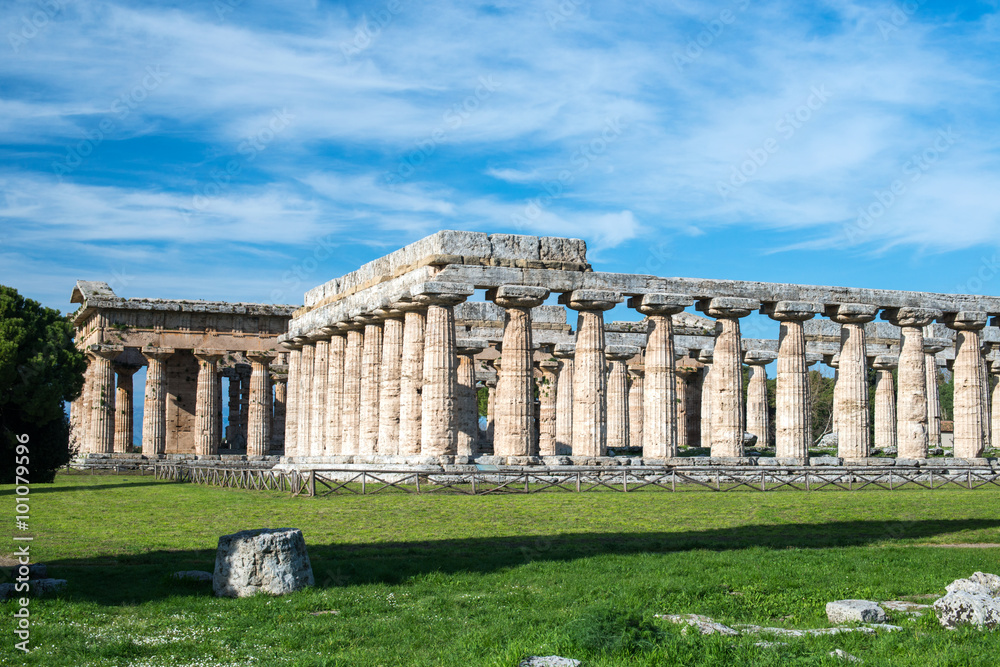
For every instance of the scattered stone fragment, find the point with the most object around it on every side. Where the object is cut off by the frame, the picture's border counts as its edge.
(854, 611)
(268, 561)
(44, 586)
(548, 661)
(194, 575)
(704, 624)
(335, 612)
(904, 607)
(990, 581)
(844, 655)
(815, 632)
(961, 608)
(769, 644)
(968, 586)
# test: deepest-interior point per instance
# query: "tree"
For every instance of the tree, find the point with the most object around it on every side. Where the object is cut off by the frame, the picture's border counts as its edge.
(40, 369)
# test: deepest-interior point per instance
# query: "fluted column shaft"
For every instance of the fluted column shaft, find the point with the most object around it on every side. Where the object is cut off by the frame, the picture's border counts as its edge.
(564, 406)
(154, 408)
(371, 381)
(933, 401)
(911, 402)
(971, 425)
(350, 410)
(466, 403)
(103, 403)
(885, 408)
(258, 415)
(792, 418)
(306, 375)
(682, 406)
(548, 393)
(292, 401)
(757, 409)
(234, 405)
(636, 409)
(388, 409)
(706, 407)
(278, 413)
(335, 395)
(207, 405)
(851, 404)
(995, 405)
(124, 430)
(438, 418)
(618, 430)
(411, 378)
(590, 436)
(659, 389)
(244, 416)
(317, 416)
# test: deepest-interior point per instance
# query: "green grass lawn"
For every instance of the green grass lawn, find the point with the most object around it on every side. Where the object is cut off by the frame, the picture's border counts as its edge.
(459, 580)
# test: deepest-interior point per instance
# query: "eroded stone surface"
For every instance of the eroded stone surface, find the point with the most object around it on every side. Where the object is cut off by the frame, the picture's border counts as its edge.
(548, 661)
(854, 611)
(271, 561)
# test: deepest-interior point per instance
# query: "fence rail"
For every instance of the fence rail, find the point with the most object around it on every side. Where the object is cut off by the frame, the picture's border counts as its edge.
(318, 483)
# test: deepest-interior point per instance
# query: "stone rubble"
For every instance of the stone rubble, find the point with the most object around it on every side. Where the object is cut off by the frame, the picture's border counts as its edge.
(270, 561)
(844, 655)
(548, 661)
(854, 611)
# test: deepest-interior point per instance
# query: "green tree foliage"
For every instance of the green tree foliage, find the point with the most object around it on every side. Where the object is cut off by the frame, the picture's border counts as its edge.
(40, 369)
(947, 389)
(821, 404)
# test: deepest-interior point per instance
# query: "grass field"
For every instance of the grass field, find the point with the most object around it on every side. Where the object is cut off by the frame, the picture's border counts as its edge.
(457, 580)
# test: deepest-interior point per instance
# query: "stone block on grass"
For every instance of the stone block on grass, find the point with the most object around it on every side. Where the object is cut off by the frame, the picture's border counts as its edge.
(272, 561)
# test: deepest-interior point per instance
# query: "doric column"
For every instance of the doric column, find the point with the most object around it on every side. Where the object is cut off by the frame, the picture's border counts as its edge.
(728, 425)
(206, 434)
(292, 397)
(660, 384)
(154, 407)
(243, 370)
(636, 392)
(513, 431)
(317, 410)
(548, 392)
(970, 425)
(232, 426)
(757, 408)
(465, 400)
(438, 418)
(335, 391)
(911, 404)
(885, 403)
(564, 398)
(350, 408)
(491, 403)
(705, 400)
(411, 376)
(124, 430)
(306, 373)
(854, 440)
(995, 403)
(371, 382)
(257, 413)
(590, 434)
(617, 385)
(793, 428)
(388, 397)
(931, 347)
(103, 398)
(278, 412)
(685, 375)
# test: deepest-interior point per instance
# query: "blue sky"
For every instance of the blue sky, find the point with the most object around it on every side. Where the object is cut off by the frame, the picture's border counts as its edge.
(248, 151)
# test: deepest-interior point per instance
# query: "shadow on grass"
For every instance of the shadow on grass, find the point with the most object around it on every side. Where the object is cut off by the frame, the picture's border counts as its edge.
(38, 488)
(145, 577)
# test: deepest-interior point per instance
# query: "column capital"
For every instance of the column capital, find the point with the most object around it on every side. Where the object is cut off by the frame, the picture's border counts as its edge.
(564, 350)
(367, 319)
(156, 353)
(405, 306)
(727, 307)
(590, 299)
(389, 313)
(660, 303)
(262, 356)
(911, 317)
(620, 352)
(791, 311)
(441, 293)
(935, 345)
(349, 325)
(885, 362)
(331, 331)
(302, 340)
(637, 371)
(317, 335)
(517, 296)
(290, 345)
(759, 357)
(208, 356)
(832, 360)
(966, 320)
(995, 367)
(548, 366)
(815, 357)
(680, 352)
(125, 369)
(470, 346)
(705, 356)
(851, 313)
(108, 352)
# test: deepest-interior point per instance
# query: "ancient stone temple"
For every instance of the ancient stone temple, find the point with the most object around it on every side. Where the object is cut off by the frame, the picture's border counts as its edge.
(384, 363)
(187, 348)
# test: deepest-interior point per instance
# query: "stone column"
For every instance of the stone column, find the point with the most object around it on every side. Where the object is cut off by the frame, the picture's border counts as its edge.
(243, 370)
(684, 376)
(103, 398)
(564, 398)
(465, 400)
(292, 398)
(911, 404)
(793, 430)
(590, 434)
(350, 408)
(970, 425)
(660, 385)
(335, 391)
(617, 384)
(388, 397)
(995, 404)
(491, 402)
(411, 376)
(280, 382)
(513, 429)
(439, 419)
(257, 412)
(124, 430)
(728, 425)
(371, 382)
(306, 374)
(705, 418)
(757, 408)
(885, 404)
(931, 348)
(548, 392)
(206, 435)
(154, 407)
(318, 419)
(854, 440)
(232, 426)
(636, 397)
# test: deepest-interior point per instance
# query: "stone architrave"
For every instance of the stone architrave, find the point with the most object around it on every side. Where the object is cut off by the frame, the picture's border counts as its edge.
(103, 398)
(564, 398)
(292, 397)
(306, 372)
(757, 407)
(351, 406)
(636, 391)
(258, 416)
(548, 392)
(439, 418)
(931, 347)
(207, 435)
(970, 425)
(318, 409)
(513, 433)
(335, 391)
(388, 397)
(728, 425)
(466, 401)
(154, 407)
(590, 433)
(617, 356)
(792, 420)
(124, 430)
(660, 426)
(411, 376)
(854, 440)
(885, 403)
(705, 400)
(911, 401)
(371, 381)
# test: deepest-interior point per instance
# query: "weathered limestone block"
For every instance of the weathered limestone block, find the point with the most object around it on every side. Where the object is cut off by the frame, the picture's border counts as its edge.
(272, 561)
(851, 391)
(969, 410)
(617, 383)
(792, 417)
(548, 661)
(911, 404)
(854, 611)
(757, 408)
